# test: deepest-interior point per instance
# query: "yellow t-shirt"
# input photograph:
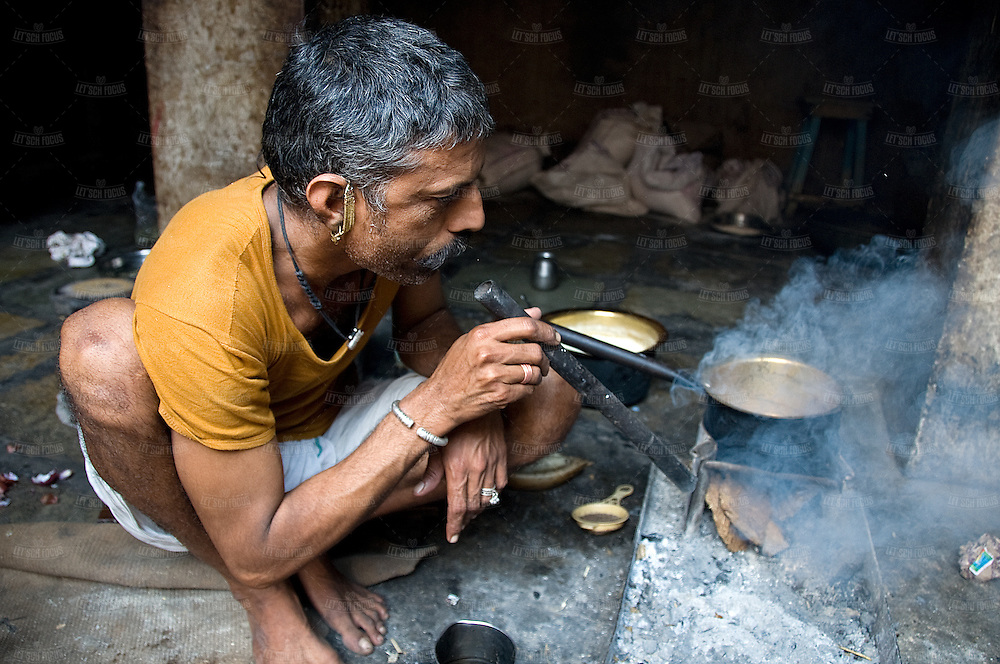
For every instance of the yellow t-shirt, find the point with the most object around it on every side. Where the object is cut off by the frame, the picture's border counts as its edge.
(229, 366)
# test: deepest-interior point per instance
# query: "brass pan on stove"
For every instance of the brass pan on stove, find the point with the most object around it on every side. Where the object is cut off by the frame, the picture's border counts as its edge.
(774, 387)
(766, 386)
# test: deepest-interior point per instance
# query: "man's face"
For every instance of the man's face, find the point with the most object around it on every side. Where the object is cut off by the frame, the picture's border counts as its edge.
(428, 212)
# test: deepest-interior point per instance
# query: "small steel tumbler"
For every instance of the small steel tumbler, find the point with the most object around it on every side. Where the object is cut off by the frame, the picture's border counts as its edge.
(545, 272)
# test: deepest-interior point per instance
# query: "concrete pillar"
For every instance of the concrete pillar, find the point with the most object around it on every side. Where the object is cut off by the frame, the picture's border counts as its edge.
(210, 66)
(958, 435)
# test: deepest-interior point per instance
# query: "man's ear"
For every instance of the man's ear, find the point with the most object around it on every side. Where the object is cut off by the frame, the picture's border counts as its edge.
(325, 194)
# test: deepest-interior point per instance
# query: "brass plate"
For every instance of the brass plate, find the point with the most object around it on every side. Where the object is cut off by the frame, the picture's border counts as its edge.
(98, 289)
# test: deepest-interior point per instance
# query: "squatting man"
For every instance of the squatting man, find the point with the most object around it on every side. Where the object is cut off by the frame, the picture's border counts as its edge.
(204, 401)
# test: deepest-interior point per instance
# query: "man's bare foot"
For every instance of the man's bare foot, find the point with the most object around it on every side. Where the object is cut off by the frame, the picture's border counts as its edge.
(280, 630)
(353, 611)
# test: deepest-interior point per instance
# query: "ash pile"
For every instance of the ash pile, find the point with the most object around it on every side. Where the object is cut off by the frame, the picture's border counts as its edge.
(813, 530)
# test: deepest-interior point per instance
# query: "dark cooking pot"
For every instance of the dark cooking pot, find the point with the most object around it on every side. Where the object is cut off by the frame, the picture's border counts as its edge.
(775, 414)
(804, 446)
(632, 332)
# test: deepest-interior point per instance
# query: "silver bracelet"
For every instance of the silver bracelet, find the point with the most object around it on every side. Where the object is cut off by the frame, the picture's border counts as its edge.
(424, 434)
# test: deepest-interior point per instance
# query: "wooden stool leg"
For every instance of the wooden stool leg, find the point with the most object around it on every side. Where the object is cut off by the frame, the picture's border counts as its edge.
(861, 139)
(800, 165)
(847, 164)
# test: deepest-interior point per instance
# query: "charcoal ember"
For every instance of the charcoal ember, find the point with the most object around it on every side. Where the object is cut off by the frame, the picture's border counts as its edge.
(50, 499)
(977, 560)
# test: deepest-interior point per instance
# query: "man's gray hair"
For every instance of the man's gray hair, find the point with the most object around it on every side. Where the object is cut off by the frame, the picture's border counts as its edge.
(360, 97)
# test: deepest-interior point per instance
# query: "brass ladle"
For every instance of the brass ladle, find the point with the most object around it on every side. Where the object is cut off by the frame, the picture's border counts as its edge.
(606, 515)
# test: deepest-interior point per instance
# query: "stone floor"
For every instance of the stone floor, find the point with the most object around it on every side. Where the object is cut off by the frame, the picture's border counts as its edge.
(642, 594)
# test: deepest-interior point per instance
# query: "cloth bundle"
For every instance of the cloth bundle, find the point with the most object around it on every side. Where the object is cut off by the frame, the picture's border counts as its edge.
(78, 250)
(668, 182)
(614, 172)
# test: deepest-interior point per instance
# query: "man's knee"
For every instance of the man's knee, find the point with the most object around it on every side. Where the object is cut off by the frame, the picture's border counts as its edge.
(560, 398)
(101, 330)
(96, 348)
(538, 424)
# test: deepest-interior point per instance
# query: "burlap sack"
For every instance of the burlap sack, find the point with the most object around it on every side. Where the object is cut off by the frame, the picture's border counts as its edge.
(594, 176)
(667, 182)
(510, 163)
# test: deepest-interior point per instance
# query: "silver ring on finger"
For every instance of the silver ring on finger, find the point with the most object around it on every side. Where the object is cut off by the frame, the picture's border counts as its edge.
(526, 368)
(492, 494)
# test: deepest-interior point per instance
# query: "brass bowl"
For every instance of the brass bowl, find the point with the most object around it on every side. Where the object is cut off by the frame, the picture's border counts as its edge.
(632, 332)
(606, 515)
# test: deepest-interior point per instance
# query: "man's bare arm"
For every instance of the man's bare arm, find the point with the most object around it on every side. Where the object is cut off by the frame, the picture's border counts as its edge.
(264, 535)
(422, 326)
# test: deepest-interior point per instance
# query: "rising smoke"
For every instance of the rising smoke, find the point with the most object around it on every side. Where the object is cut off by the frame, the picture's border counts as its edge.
(869, 317)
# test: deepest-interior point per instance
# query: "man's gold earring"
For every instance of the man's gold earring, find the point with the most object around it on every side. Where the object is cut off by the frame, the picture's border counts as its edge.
(348, 223)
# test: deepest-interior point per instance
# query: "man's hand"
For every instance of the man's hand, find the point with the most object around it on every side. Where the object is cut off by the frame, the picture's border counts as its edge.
(475, 458)
(484, 371)
(490, 367)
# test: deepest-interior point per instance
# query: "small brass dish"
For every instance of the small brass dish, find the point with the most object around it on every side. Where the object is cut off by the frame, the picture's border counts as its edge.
(606, 515)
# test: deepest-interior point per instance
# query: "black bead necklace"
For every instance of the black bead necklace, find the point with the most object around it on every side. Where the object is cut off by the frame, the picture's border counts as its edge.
(354, 337)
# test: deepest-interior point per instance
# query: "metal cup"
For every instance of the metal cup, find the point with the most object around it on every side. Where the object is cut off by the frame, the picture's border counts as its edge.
(544, 272)
(474, 642)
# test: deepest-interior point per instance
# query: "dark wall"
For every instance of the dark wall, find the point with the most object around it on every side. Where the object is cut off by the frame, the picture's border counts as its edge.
(73, 112)
(732, 76)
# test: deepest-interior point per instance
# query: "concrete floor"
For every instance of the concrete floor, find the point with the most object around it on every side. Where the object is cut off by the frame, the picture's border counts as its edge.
(561, 601)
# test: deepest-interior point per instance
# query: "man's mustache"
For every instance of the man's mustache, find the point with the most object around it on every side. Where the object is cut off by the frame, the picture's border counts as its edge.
(450, 250)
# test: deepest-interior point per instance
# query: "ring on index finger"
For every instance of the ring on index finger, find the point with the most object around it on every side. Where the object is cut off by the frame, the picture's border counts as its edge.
(527, 374)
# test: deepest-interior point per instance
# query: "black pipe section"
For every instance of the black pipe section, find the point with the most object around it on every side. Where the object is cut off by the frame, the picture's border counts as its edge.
(502, 305)
(605, 351)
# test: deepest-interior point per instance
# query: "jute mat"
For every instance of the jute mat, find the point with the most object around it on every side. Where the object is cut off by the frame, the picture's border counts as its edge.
(81, 592)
